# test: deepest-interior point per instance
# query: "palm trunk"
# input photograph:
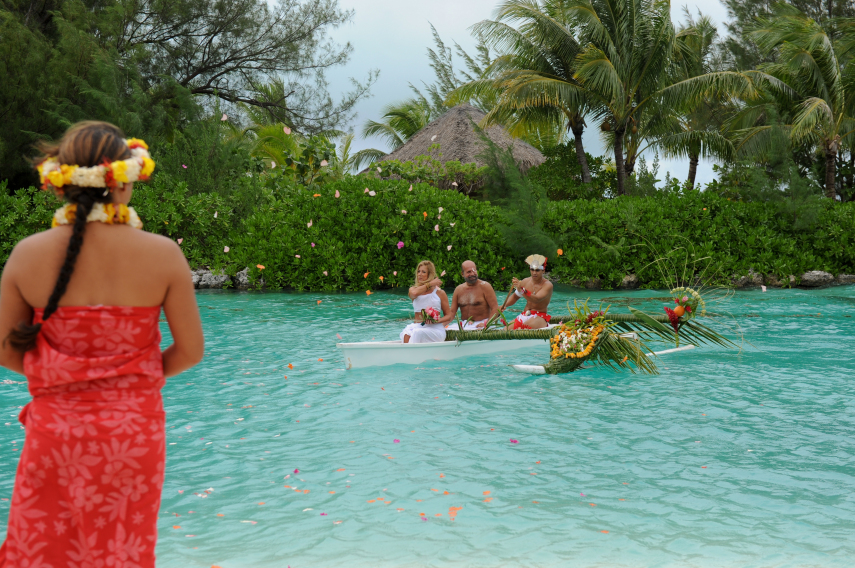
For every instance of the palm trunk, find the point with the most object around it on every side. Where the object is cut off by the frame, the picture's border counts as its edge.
(621, 173)
(693, 170)
(830, 163)
(578, 126)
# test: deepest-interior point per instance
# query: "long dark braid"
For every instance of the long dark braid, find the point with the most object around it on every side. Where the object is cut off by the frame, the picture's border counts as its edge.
(93, 141)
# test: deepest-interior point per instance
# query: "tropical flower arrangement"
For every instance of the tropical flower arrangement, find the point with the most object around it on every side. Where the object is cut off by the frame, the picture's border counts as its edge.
(689, 302)
(138, 167)
(572, 342)
(108, 213)
(430, 315)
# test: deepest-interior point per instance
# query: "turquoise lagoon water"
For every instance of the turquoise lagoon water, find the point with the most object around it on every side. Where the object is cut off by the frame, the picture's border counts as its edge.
(725, 459)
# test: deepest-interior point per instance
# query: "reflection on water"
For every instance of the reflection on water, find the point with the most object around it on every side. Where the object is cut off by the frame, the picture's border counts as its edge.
(278, 457)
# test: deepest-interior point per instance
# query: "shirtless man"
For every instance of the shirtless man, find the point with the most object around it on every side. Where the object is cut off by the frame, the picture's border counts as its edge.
(537, 292)
(475, 298)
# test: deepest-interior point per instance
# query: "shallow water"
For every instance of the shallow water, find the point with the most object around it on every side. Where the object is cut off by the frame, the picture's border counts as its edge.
(725, 459)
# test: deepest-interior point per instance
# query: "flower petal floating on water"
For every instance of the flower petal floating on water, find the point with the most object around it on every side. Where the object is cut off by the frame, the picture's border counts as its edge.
(396, 441)
(319, 302)
(323, 514)
(340, 337)
(296, 471)
(291, 366)
(368, 292)
(514, 441)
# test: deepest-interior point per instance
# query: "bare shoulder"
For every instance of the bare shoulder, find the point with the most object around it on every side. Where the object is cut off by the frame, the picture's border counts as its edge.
(36, 246)
(442, 294)
(486, 285)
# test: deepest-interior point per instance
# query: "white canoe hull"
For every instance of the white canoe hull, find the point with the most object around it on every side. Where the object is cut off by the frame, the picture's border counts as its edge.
(382, 353)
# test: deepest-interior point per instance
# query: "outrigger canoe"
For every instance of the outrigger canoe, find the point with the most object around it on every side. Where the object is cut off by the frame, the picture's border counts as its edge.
(382, 353)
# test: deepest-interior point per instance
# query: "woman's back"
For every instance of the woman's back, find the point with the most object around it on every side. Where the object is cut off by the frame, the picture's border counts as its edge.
(117, 266)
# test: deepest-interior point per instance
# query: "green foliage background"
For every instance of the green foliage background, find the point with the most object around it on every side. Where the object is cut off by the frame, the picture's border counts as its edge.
(357, 233)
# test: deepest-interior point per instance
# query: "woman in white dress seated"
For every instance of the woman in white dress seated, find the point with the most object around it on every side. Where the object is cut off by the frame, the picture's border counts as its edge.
(427, 293)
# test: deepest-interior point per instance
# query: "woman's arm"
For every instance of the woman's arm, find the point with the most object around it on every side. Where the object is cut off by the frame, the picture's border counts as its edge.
(450, 313)
(422, 289)
(446, 311)
(182, 314)
(13, 311)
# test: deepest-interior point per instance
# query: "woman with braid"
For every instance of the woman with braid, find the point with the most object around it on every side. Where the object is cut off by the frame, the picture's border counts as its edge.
(79, 308)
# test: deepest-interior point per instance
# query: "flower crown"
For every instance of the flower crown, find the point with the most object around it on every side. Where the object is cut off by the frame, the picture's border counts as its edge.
(108, 175)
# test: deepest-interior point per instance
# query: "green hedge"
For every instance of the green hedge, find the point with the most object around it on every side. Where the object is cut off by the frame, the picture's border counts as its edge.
(357, 233)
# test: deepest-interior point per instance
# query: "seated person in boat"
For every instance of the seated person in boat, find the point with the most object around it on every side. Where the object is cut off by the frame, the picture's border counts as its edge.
(537, 292)
(427, 295)
(475, 298)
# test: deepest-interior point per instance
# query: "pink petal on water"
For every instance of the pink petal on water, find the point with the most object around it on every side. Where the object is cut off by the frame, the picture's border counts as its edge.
(181, 491)
(396, 441)
(582, 494)
(323, 514)
(514, 441)
(296, 471)
(337, 194)
(339, 336)
(225, 249)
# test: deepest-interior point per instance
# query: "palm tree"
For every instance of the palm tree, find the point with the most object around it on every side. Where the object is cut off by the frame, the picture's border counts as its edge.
(402, 121)
(629, 56)
(808, 81)
(347, 161)
(696, 132)
(533, 83)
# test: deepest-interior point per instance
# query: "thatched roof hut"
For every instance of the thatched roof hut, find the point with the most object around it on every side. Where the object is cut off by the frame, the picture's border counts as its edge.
(458, 141)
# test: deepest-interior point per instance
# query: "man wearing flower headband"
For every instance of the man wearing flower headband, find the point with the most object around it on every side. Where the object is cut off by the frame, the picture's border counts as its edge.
(537, 292)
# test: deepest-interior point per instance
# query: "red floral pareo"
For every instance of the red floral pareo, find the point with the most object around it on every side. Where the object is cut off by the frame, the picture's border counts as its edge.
(87, 490)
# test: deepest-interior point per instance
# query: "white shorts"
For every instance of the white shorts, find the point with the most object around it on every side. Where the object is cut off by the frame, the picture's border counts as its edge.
(428, 333)
(469, 325)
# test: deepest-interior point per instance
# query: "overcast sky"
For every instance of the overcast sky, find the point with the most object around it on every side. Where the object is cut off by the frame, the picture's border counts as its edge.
(393, 36)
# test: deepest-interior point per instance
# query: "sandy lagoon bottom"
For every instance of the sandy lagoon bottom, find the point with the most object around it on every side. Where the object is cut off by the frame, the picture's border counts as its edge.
(725, 459)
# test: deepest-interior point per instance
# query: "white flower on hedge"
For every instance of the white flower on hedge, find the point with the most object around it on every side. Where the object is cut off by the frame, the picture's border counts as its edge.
(372, 193)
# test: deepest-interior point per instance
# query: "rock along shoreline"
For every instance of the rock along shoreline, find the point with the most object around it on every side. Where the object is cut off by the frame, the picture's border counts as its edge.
(205, 279)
